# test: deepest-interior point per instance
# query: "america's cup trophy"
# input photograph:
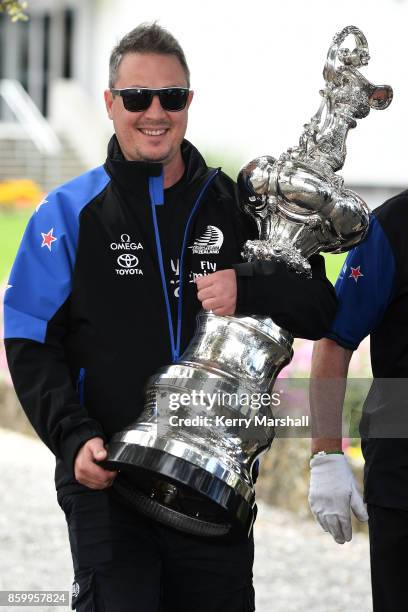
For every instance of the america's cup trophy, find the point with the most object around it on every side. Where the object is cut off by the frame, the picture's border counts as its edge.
(198, 477)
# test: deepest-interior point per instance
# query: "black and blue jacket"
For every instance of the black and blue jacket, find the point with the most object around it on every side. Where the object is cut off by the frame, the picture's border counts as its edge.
(94, 307)
(372, 291)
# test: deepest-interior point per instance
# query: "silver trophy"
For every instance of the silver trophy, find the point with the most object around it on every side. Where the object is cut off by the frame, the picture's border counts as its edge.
(188, 463)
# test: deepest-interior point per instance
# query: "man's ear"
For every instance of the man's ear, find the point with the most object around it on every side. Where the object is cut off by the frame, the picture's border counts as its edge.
(108, 102)
(190, 97)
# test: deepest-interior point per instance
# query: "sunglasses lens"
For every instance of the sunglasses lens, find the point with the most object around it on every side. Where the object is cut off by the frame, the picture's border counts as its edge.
(173, 99)
(137, 101)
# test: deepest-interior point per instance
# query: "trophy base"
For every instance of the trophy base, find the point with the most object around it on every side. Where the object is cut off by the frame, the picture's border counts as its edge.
(178, 493)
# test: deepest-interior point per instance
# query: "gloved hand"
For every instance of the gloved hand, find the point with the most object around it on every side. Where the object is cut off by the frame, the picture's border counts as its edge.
(332, 492)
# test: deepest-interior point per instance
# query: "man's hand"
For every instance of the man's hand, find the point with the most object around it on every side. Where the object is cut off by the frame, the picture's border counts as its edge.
(218, 292)
(86, 470)
(332, 492)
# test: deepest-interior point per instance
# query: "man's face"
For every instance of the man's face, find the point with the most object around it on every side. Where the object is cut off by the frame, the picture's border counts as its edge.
(153, 135)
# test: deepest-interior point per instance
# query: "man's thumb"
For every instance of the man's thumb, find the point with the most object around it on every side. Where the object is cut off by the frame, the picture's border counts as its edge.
(99, 453)
(358, 506)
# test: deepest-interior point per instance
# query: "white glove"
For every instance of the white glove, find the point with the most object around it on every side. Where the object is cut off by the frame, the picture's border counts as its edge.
(332, 492)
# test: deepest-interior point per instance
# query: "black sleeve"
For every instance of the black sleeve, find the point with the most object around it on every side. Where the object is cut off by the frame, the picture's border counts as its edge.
(44, 386)
(304, 306)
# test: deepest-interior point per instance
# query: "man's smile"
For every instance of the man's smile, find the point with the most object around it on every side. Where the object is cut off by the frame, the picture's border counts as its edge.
(153, 132)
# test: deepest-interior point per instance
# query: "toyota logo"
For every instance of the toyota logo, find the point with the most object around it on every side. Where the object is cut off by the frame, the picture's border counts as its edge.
(126, 260)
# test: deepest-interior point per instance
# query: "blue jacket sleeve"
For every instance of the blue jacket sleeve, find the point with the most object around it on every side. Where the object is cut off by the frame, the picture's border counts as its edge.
(364, 288)
(36, 321)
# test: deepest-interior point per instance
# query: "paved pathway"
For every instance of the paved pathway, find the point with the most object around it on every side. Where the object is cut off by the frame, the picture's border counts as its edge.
(298, 567)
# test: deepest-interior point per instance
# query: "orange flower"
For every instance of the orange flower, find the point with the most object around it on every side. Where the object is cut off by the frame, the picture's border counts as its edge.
(19, 193)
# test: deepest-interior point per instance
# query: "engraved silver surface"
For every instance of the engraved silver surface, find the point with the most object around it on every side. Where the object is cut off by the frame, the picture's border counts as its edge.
(228, 356)
(300, 207)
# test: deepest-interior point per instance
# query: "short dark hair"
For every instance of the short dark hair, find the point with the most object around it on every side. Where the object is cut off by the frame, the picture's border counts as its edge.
(146, 38)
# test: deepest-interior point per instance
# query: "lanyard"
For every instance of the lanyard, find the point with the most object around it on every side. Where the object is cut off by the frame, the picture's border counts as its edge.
(156, 192)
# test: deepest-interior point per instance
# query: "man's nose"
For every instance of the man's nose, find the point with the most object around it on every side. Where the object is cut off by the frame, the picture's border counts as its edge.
(155, 109)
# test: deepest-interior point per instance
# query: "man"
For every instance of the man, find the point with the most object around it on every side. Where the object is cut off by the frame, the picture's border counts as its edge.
(373, 300)
(112, 271)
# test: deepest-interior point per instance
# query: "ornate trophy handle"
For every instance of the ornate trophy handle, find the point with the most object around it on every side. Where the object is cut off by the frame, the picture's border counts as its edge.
(358, 57)
(348, 96)
(299, 203)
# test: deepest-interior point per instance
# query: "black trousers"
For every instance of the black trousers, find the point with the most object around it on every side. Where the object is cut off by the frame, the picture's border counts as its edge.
(123, 562)
(388, 529)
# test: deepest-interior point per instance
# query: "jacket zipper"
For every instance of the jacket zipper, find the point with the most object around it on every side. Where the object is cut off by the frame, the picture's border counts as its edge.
(156, 192)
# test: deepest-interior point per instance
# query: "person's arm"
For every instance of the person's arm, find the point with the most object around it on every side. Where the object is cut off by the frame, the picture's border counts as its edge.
(44, 387)
(328, 378)
(304, 306)
(36, 323)
(365, 288)
(333, 491)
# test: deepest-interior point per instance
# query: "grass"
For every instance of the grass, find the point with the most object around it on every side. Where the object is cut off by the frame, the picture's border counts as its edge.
(12, 225)
(333, 265)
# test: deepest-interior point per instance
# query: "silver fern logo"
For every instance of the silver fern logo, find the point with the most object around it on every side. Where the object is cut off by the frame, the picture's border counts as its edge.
(209, 243)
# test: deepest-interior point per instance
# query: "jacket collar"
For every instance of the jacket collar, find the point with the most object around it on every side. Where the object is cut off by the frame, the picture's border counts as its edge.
(132, 176)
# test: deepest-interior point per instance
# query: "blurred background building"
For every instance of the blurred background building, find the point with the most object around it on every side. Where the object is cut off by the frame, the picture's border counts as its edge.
(256, 70)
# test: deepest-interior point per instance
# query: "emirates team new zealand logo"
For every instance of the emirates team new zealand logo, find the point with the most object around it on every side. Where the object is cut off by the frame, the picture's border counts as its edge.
(209, 243)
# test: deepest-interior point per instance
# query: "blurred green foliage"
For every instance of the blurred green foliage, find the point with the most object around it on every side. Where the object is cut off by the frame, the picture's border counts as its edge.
(333, 265)
(14, 9)
(12, 226)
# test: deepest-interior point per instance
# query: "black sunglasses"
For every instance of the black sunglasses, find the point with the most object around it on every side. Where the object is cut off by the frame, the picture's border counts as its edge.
(137, 99)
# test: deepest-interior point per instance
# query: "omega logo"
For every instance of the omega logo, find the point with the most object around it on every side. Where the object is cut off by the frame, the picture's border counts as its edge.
(126, 244)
